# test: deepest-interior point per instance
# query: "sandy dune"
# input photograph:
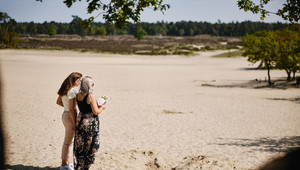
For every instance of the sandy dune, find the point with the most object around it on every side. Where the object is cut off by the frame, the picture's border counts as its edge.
(165, 111)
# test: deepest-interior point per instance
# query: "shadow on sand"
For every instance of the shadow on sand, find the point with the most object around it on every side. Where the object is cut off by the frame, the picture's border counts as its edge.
(295, 100)
(23, 167)
(285, 144)
(254, 84)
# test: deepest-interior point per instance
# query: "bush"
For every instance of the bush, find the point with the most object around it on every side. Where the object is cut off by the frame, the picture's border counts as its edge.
(9, 39)
(140, 33)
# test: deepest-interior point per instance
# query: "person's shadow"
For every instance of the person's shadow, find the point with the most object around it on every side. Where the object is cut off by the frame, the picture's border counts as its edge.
(23, 167)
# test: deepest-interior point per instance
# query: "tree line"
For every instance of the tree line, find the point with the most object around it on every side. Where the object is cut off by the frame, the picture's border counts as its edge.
(182, 28)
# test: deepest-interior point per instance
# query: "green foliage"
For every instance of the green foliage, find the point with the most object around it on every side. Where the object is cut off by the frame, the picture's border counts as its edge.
(11, 39)
(140, 32)
(181, 28)
(5, 19)
(31, 28)
(78, 27)
(92, 31)
(52, 31)
(61, 28)
(161, 28)
(261, 46)
(181, 32)
(289, 52)
(191, 32)
(7, 38)
(280, 49)
(290, 10)
(101, 30)
(122, 32)
(119, 12)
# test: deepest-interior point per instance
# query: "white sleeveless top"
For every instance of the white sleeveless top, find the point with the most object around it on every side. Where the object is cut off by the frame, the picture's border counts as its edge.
(65, 99)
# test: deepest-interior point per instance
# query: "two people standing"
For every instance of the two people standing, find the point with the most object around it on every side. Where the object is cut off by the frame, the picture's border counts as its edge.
(86, 128)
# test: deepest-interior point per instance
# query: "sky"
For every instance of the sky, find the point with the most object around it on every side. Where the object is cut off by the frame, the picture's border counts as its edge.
(211, 11)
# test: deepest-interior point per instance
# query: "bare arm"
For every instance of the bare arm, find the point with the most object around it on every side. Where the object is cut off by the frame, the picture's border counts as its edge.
(59, 101)
(72, 111)
(92, 101)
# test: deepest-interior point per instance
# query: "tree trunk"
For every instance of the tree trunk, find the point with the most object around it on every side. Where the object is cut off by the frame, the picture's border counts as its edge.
(269, 76)
(261, 65)
(298, 81)
(294, 75)
(288, 74)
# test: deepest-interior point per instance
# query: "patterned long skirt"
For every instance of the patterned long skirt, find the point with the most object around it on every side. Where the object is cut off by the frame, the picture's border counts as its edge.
(86, 140)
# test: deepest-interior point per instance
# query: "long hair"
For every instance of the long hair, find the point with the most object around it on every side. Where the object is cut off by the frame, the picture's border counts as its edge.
(68, 83)
(87, 85)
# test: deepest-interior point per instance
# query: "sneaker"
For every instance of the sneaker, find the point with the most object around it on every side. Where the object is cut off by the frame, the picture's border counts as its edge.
(66, 167)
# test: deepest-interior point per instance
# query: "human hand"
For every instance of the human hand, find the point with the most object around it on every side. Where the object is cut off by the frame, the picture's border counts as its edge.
(103, 107)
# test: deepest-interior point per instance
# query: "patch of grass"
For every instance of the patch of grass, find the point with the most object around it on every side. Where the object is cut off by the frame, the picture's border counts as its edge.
(229, 54)
(171, 112)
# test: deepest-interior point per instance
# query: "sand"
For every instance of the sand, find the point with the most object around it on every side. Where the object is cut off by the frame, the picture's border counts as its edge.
(165, 111)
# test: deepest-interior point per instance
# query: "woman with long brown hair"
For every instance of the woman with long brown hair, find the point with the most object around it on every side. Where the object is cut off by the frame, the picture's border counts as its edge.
(67, 99)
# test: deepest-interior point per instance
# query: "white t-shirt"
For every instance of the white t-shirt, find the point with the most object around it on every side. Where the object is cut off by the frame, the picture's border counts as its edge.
(65, 99)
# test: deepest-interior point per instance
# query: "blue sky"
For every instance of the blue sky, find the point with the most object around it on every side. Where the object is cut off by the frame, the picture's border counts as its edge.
(187, 10)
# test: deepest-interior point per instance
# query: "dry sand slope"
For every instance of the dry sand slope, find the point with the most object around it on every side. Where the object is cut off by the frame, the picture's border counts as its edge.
(163, 111)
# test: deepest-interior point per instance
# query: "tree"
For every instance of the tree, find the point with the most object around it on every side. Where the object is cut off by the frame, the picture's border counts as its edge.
(119, 12)
(140, 32)
(20, 28)
(61, 29)
(31, 28)
(290, 10)
(261, 46)
(52, 31)
(181, 32)
(161, 28)
(289, 54)
(101, 30)
(42, 28)
(76, 24)
(52, 28)
(8, 38)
